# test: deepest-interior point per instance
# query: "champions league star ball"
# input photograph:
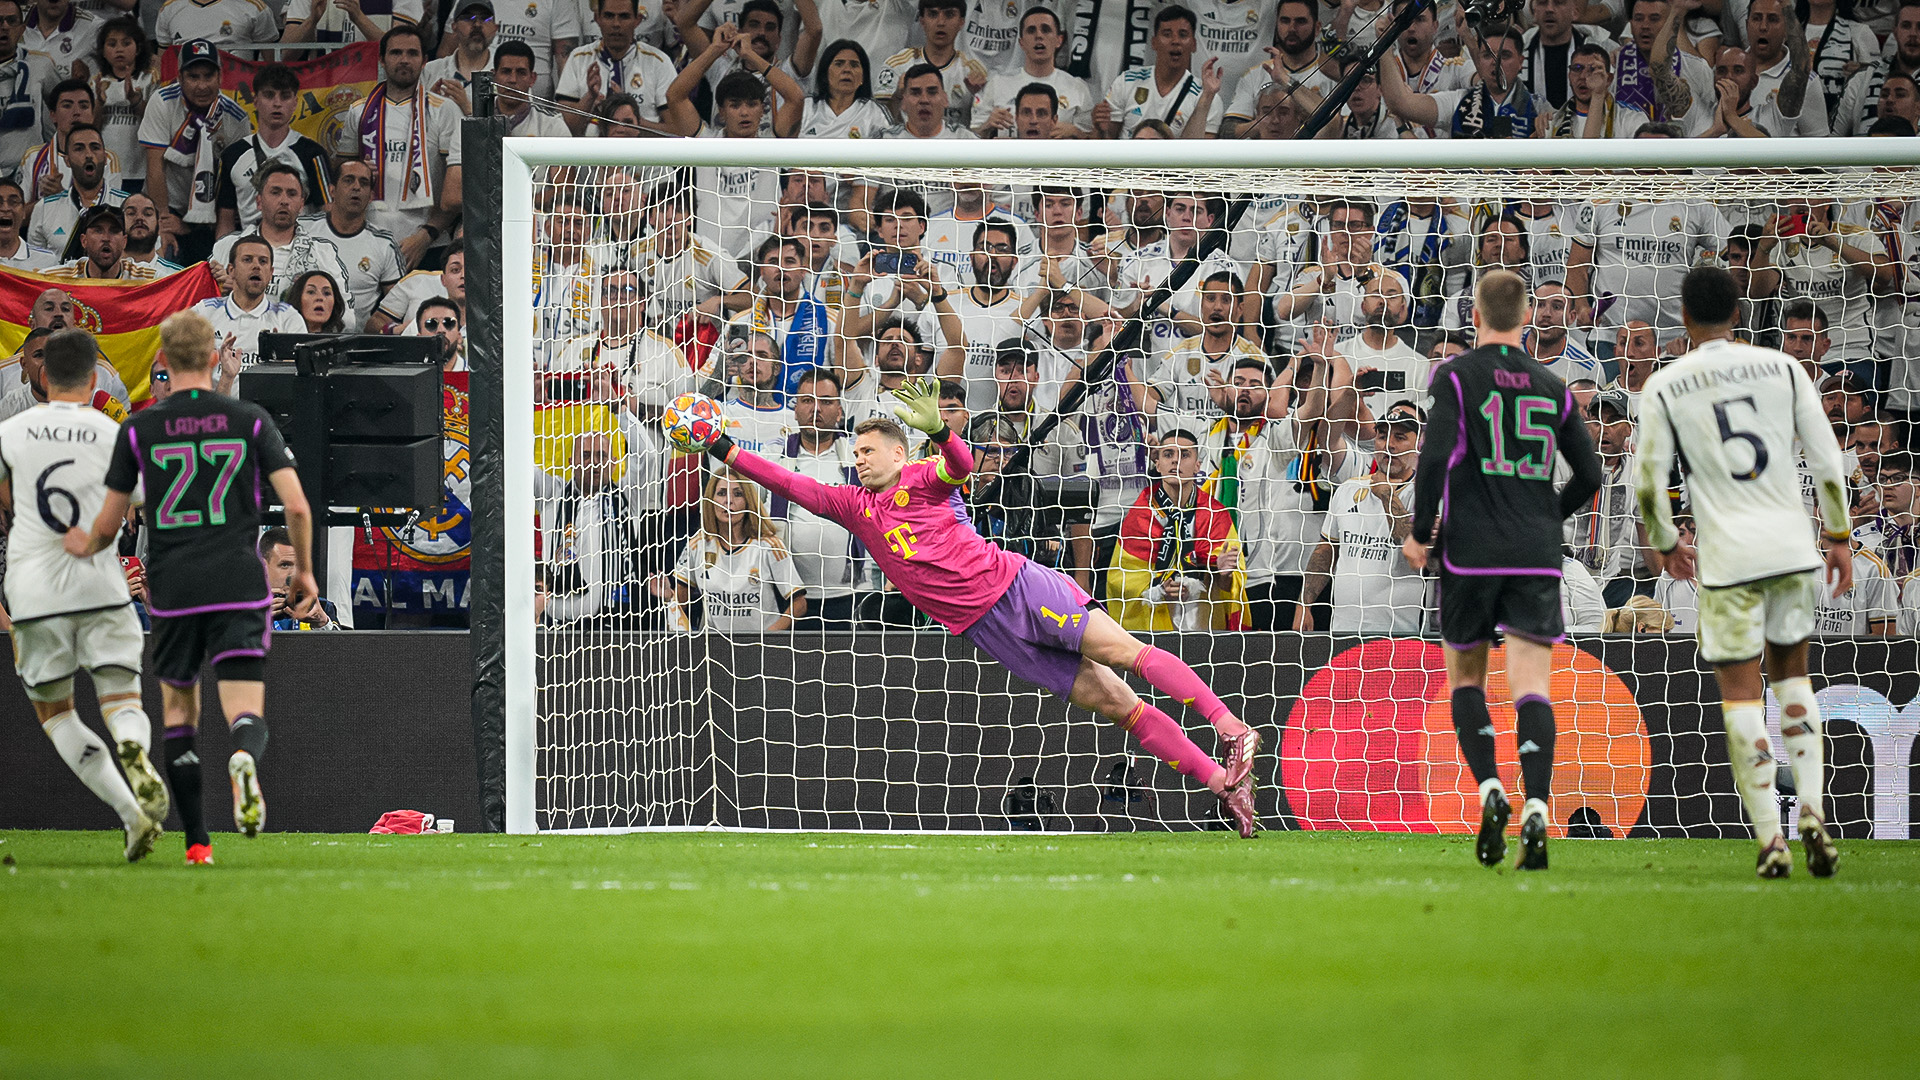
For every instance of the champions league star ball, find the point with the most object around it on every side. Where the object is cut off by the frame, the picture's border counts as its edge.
(693, 422)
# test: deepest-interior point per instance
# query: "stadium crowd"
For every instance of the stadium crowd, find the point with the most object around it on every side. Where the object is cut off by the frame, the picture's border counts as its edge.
(1243, 467)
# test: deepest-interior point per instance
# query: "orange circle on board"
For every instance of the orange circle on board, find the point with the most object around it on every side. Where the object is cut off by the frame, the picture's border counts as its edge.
(1601, 756)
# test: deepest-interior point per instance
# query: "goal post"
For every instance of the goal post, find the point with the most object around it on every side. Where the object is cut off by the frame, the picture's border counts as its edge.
(655, 720)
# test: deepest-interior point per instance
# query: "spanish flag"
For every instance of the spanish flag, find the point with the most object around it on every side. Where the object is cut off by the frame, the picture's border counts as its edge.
(123, 316)
(329, 83)
(1161, 543)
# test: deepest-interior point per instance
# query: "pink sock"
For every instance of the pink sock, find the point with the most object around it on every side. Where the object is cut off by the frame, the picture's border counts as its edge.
(1171, 676)
(1160, 736)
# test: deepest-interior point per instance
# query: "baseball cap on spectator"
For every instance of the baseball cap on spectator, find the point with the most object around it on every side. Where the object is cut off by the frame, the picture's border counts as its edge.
(199, 51)
(475, 6)
(1843, 381)
(1404, 414)
(98, 214)
(1615, 400)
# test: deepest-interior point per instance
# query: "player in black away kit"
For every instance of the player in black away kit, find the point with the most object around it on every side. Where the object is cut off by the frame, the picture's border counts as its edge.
(206, 460)
(1486, 477)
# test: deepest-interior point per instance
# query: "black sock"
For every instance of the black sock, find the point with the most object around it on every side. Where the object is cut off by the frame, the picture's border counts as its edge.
(183, 775)
(1474, 725)
(1534, 730)
(250, 734)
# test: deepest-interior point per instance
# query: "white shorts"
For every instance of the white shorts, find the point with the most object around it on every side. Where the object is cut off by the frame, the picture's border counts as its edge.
(51, 649)
(1738, 621)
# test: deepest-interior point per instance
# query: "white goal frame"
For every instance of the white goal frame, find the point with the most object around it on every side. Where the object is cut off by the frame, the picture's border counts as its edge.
(522, 156)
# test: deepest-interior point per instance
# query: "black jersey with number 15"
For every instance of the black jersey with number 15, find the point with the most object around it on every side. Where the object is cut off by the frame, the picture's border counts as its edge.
(1498, 420)
(204, 459)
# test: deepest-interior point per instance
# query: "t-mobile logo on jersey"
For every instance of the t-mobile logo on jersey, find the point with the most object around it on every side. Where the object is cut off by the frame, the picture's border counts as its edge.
(901, 539)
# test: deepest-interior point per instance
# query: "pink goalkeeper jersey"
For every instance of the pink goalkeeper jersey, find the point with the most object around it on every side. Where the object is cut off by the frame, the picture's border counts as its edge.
(917, 531)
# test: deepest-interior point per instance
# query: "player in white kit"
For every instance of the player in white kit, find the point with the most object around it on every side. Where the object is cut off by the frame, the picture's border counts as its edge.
(72, 613)
(1733, 413)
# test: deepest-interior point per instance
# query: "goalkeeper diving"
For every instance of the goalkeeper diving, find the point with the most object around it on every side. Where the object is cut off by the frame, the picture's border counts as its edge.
(1034, 620)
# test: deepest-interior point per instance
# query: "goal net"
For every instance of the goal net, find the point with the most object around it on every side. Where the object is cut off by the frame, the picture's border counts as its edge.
(1193, 377)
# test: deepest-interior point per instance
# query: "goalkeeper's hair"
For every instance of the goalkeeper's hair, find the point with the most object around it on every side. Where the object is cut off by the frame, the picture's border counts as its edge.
(1501, 300)
(886, 426)
(1709, 297)
(186, 337)
(70, 358)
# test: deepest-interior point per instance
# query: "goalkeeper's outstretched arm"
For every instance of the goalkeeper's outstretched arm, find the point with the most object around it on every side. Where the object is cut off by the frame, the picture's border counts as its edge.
(805, 490)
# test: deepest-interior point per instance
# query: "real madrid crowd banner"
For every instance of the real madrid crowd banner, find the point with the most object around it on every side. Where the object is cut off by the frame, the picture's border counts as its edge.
(123, 316)
(328, 84)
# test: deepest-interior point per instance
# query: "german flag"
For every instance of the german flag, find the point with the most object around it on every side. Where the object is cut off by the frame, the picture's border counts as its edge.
(123, 316)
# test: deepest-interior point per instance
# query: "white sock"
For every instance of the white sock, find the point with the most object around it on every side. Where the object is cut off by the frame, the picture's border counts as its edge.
(128, 722)
(1806, 752)
(1535, 806)
(1751, 754)
(92, 762)
(1489, 786)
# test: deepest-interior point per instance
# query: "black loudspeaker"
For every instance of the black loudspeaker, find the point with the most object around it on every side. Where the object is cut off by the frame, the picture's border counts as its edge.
(363, 417)
(386, 474)
(382, 401)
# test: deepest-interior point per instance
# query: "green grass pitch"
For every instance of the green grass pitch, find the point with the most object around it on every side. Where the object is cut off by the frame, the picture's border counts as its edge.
(722, 955)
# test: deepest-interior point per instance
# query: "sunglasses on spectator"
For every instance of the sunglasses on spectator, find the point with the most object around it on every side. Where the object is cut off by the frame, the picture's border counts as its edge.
(160, 376)
(448, 323)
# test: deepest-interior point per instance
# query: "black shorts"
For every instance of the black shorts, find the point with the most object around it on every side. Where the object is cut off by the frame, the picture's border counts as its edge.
(182, 644)
(1473, 607)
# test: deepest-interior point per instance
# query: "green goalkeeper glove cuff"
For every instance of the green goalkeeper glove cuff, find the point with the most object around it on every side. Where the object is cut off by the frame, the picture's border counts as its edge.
(919, 405)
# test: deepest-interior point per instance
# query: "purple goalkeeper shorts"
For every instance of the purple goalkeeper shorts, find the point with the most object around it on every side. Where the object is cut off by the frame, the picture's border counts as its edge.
(1035, 629)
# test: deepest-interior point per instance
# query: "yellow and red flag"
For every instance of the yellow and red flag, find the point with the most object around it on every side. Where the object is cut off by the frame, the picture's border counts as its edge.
(123, 316)
(328, 84)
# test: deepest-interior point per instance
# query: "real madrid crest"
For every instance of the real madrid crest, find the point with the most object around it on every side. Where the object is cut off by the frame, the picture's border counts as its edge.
(1674, 224)
(533, 11)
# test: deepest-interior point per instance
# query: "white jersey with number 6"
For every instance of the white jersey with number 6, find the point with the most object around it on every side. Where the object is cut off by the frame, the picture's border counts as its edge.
(56, 457)
(1733, 412)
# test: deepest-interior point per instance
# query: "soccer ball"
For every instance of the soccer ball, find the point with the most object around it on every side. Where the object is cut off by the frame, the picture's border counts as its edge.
(694, 422)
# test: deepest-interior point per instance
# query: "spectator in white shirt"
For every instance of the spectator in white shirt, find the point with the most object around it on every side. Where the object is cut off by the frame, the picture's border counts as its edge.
(25, 76)
(86, 169)
(842, 104)
(473, 30)
(15, 252)
(618, 63)
(248, 309)
(223, 22)
(1041, 38)
(513, 75)
(122, 72)
(1167, 89)
(64, 34)
(412, 141)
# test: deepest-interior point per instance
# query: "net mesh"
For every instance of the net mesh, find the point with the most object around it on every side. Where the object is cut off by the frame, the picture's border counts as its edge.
(711, 655)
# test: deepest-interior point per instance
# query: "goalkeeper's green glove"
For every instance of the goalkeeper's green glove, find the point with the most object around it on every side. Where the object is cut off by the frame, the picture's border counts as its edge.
(919, 407)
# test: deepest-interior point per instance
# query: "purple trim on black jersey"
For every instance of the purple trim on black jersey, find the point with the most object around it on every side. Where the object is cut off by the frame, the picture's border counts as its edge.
(179, 684)
(1510, 632)
(133, 440)
(236, 605)
(231, 653)
(1467, 646)
(1460, 446)
(1498, 571)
